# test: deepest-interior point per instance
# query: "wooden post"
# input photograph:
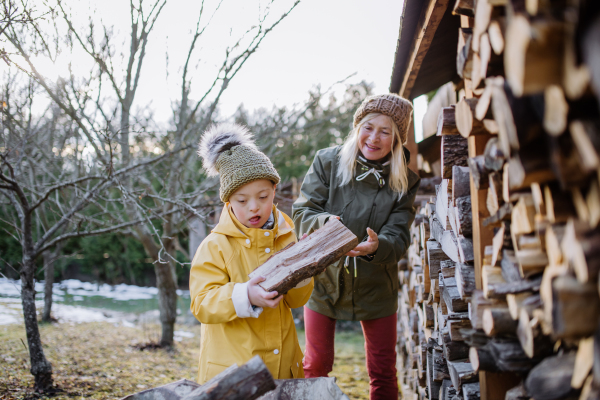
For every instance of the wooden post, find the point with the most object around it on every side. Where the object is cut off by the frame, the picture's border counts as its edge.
(482, 236)
(411, 145)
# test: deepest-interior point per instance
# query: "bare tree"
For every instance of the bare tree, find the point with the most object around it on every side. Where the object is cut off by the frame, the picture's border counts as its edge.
(168, 188)
(66, 162)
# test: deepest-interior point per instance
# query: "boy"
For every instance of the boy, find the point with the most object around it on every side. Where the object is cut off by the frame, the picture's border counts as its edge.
(239, 318)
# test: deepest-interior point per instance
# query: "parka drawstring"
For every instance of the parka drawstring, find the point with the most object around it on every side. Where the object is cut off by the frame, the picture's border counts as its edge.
(347, 262)
(376, 172)
(369, 172)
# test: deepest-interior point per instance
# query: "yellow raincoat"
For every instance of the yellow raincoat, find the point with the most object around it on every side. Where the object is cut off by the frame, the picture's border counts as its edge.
(224, 258)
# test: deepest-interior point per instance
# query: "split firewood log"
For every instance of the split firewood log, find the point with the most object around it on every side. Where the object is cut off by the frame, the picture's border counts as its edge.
(471, 391)
(551, 379)
(446, 124)
(250, 381)
(581, 248)
(575, 308)
(464, 56)
(479, 172)
(461, 372)
(464, 7)
(533, 54)
(466, 123)
(454, 151)
(497, 321)
(307, 258)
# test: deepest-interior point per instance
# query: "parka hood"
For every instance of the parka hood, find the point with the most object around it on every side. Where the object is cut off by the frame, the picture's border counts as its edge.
(230, 226)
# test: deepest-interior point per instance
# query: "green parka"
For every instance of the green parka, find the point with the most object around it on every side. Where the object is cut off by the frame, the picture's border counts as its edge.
(371, 291)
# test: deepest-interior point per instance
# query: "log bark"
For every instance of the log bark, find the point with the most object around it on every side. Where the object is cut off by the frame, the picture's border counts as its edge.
(517, 393)
(464, 215)
(307, 258)
(454, 152)
(435, 255)
(461, 182)
(461, 372)
(465, 280)
(551, 379)
(446, 124)
(440, 368)
(452, 297)
(250, 381)
(494, 157)
(478, 171)
(471, 391)
(454, 327)
(454, 350)
(464, 56)
(482, 360)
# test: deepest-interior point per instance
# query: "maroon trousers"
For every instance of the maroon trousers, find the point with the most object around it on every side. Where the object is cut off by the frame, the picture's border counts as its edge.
(380, 350)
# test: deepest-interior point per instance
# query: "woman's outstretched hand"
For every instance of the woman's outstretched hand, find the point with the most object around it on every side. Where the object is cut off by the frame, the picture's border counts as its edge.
(366, 248)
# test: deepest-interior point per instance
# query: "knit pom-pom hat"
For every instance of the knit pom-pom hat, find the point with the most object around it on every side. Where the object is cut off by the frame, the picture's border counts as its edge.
(228, 150)
(392, 105)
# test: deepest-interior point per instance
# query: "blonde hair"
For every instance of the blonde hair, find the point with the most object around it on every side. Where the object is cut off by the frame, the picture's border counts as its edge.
(398, 178)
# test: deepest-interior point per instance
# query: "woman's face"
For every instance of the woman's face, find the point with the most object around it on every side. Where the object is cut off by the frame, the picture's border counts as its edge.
(375, 138)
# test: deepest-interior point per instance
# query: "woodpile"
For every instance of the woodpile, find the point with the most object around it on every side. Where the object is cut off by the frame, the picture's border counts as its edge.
(500, 295)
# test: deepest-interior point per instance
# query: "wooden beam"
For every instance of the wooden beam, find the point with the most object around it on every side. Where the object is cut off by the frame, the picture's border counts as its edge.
(430, 18)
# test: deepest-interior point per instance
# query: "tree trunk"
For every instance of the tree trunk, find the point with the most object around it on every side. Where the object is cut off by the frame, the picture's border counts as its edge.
(41, 369)
(48, 282)
(166, 282)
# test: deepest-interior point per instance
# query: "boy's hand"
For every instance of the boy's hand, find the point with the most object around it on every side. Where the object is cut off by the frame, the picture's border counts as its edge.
(259, 297)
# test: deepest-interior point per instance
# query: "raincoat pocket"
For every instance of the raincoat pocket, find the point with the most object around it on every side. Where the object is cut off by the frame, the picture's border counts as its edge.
(213, 370)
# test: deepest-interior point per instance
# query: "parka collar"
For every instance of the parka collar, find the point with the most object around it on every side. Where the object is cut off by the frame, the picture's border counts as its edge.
(383, 166)
(230, 226)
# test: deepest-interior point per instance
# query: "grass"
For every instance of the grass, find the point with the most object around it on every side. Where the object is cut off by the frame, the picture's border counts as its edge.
(99, 360)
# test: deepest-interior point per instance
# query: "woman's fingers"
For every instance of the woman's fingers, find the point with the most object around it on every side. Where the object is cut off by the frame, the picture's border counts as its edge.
(372, 235)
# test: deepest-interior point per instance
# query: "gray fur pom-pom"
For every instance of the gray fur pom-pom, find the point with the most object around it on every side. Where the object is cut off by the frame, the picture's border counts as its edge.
(219, 138)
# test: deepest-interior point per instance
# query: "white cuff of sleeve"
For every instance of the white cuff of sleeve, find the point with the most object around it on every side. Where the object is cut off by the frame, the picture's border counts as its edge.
(241, 302)
(302, 283)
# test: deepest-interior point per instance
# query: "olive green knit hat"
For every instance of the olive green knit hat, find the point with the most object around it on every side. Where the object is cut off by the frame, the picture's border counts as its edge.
(392, 105)
(228, 150)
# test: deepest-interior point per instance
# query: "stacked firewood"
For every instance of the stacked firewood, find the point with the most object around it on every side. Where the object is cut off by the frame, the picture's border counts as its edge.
(529, 69)
(437, 286)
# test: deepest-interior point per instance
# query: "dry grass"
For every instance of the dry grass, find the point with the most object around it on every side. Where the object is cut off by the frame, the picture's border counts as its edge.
(99, 361)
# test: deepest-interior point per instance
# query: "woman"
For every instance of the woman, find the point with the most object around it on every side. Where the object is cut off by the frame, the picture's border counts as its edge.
(367, 185)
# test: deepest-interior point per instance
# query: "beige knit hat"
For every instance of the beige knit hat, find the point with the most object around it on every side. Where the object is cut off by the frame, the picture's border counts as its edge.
(228, 150)
(392, 105)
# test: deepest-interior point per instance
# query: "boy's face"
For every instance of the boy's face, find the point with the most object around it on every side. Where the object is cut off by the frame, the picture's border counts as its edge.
(252, 203)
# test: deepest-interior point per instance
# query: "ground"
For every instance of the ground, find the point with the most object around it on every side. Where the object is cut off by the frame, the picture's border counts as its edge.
(100, 361)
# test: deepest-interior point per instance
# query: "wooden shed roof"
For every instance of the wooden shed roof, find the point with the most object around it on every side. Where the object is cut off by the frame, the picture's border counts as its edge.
(426, 51)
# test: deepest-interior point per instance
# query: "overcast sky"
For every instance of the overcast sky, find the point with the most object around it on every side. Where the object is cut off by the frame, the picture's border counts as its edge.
(319, 43)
